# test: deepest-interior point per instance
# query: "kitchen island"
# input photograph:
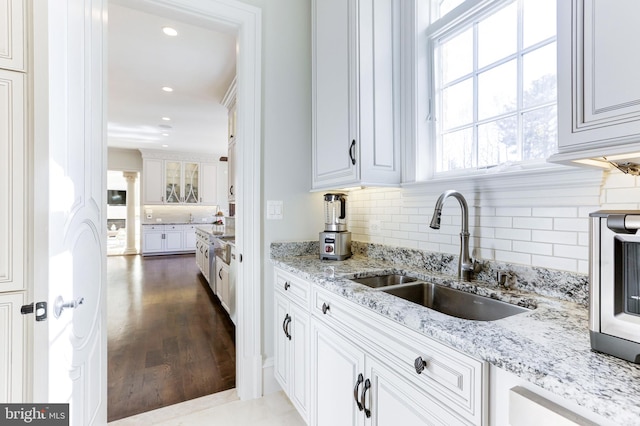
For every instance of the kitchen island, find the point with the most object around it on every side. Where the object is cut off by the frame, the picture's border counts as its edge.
(547, 346)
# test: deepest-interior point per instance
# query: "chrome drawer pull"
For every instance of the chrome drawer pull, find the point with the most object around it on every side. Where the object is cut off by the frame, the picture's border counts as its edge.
(367, 385)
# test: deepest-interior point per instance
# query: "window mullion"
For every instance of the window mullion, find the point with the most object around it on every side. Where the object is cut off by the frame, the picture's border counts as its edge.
(474, 159)
(520, 78)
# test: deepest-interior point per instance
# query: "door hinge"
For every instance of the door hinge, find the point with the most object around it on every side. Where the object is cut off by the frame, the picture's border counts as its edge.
(41, 310)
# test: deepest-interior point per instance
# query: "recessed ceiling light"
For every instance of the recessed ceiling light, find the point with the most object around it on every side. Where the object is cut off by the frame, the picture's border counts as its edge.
(166, 119)
(170, 31)
(165, 134)
(165, 146)
(165, 126)
(167, 89)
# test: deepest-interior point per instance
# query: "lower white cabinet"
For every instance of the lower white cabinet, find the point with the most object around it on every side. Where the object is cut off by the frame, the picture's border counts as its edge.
(189, 237)
(222, 283)
(292, 353)
(164, 239)
(367, 369)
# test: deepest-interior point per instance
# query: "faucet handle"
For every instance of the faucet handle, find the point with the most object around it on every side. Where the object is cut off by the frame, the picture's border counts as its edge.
(506, 279)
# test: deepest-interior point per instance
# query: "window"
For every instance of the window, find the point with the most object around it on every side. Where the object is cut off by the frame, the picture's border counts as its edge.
(493, 83)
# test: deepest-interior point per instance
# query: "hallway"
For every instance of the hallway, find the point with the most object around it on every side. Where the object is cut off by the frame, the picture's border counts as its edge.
(169, 340)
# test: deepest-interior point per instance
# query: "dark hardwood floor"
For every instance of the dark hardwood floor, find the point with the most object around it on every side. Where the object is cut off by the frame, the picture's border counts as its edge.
(169, 339)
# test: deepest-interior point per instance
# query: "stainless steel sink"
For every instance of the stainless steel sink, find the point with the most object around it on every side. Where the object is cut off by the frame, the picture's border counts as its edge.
(455, 302)
(385, 280)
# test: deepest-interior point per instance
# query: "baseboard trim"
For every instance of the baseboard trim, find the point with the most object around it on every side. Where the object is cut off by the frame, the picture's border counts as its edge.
(269, 383)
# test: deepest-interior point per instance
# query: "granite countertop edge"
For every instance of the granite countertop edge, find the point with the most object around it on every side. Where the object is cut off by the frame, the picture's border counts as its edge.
(547, 346)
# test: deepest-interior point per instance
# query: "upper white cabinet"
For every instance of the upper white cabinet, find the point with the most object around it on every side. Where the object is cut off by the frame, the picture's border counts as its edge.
(598, 90)
(12, 35)
(229, 101)
(152, 181)
(174, 179)
(355, 93)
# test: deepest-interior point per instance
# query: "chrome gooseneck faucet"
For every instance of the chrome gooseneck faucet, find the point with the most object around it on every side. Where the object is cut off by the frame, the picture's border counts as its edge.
(465, 263)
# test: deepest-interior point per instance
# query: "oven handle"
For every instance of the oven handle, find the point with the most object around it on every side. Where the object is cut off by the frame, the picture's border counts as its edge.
(623, 223)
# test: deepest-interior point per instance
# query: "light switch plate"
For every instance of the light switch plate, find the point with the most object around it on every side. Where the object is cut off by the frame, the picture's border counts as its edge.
(274, 210)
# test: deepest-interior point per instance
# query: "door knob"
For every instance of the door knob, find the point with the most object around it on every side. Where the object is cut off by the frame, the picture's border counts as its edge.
(59, 305)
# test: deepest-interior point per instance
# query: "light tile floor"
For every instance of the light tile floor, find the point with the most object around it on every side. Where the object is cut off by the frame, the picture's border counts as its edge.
(221, 409)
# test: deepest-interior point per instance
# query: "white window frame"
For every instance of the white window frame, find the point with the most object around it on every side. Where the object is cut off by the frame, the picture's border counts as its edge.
(420, 142)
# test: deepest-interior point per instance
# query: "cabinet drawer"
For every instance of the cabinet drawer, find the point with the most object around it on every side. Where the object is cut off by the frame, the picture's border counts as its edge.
(448, 375)
(153, 227)
(294, 288)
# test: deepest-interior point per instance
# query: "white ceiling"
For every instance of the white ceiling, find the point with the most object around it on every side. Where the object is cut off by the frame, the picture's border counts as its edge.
(199, 64)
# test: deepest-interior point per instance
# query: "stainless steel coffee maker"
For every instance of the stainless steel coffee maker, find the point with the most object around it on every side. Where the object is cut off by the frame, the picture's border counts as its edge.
(335, 241)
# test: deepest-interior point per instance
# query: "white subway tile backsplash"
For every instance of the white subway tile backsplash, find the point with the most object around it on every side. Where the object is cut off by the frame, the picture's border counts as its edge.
(578, 224)
(555, 262)
(555, 212)
(513, 211)
(571, 251)
(555, 237)
(533, 223)
(533, 248)
(546, 227)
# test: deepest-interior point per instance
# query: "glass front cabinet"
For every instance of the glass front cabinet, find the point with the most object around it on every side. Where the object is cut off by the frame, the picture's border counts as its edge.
(181, 182)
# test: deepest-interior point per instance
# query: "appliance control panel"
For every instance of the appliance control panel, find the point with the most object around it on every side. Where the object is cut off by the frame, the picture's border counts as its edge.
(329, 244)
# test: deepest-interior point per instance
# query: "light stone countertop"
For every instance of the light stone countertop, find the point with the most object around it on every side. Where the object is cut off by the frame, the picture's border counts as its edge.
(548, 346)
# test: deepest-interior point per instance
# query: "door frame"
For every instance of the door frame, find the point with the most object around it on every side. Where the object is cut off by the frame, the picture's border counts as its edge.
(247, 21)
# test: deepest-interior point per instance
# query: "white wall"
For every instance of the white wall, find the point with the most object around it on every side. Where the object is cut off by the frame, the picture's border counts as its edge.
(124, 159)
(286, 133)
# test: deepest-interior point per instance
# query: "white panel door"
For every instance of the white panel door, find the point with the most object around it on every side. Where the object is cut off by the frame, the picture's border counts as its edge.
(335, 140)
(189, 237)
(12, 180)
(339, 366)
(208, 184)
(300, 360)
(152, 181)
(70, 349)
(12, 34)
(12, 335)
(281, 355)
(152, 241)
(173, 238)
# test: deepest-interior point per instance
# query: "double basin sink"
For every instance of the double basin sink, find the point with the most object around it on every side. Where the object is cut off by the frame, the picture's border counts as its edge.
(442, 299)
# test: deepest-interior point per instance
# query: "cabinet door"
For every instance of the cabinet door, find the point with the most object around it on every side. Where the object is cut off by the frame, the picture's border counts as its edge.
(299, 388)
(598, 94)
(173, 238)
(208, 184)
(391, 399)
(12, 34)
(231, 159)
(152, 239)
(152, 181)
(338, 366)
(281, 333)
(189, 237)
(335, 139)
(222, 283)
(191, 183)
(173, 182)
(207, 267)
(12, 180)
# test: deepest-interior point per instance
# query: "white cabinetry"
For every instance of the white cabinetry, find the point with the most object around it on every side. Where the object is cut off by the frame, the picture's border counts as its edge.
(366, 369)
(12, 332)
(189, 237)
(12, 34)
(178, 179)
(164, 239)
(365, 372)
(292, 354)
(152, 181)
(355, 110)
(598, 91)
(229, 101)
(222, 283)
(231, 194)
